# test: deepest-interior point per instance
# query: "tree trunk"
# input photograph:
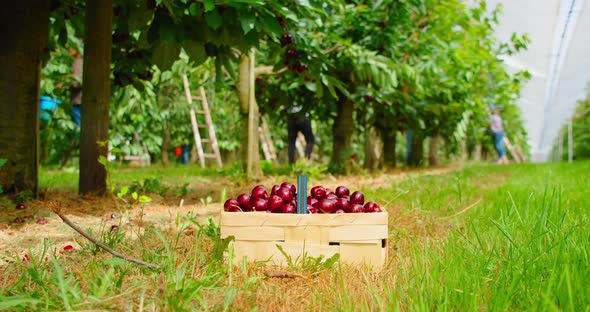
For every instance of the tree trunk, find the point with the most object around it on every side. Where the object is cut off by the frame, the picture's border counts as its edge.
(194, 155)
(433, 147)
(249, 115)
(372, 148)
(95, 96)
(24, 26)
(165, 151)
(388, 136)
(447, 147)
(477, 152)
(342, 134)
(463, 149)
(417, 151)
(166, 145)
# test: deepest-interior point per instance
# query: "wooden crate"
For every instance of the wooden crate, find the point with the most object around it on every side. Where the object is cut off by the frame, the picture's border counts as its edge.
(357, 237)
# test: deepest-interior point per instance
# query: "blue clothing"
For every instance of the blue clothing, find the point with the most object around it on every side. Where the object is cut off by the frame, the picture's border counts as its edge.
(185, 156)
(498, 134)
(408, 146)
(47, 106)
(499, 144)
(76, 114)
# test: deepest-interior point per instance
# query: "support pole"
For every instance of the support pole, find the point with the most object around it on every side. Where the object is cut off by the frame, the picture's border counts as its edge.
(570, 141)
(560, 146)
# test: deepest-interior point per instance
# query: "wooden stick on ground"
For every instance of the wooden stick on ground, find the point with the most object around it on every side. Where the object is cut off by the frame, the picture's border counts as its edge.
(54, 207)
(282, 274)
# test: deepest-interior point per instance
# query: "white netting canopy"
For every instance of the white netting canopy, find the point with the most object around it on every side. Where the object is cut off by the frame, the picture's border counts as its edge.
(558, 58)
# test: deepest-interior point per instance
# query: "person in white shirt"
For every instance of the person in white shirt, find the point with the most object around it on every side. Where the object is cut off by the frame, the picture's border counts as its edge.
(498, 135)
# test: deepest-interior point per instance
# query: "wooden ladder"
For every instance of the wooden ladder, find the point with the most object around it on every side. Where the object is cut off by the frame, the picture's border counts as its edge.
(211, 141)
(268, 147)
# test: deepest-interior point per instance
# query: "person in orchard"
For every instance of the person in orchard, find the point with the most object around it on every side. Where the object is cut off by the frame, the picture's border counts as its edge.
(76, 87)
(298, 121)
(497, 131)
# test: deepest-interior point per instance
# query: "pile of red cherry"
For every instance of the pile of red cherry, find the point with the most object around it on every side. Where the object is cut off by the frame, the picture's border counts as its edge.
(283, 199)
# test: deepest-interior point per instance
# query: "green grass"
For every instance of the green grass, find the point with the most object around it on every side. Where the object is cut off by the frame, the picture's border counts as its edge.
(67, 179)
(173, 175)
(491, 238)
(524, 247)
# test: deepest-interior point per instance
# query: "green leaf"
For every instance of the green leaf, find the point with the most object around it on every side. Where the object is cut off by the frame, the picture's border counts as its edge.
(144, 199)
(332, 260)
(251, 39)
(227, 64)
(123, 191)
(320, 89)
(332, 83)
(247, 20)
(286, 255)
(214, 19)
(11, 302)
(139, 16)
(304, 3)
(102, 160)
(138, 85)
(271, 24)
(167, 29)
(195, 9)
(195, 50)
(63, 36)
(209, 5)
(165, 54)
(229, 297)
(134, 195)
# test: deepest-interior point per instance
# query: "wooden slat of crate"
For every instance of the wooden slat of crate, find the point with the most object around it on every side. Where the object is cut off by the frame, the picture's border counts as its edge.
(359, 238)
(280, 219)
(367, 252)
(357, 232)
(258, 233)
(313, 234)
(253, 250)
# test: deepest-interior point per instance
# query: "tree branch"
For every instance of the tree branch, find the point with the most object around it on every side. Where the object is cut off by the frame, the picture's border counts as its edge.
(54, 207)
(267, 70)
(333, 49)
